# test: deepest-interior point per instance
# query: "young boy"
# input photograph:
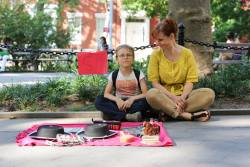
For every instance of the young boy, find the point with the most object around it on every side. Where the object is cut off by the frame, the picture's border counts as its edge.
(128, 103)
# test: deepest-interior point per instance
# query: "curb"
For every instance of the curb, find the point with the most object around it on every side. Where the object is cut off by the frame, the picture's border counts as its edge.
(242, 111)
(65, 114)
(98, 114)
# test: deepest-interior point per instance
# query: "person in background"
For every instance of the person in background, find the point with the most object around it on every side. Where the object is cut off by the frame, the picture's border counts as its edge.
(128, 103)
(172, 70)
(243, 38)
(226, 55)
(4, 55)
(103, 46)
(230, 39)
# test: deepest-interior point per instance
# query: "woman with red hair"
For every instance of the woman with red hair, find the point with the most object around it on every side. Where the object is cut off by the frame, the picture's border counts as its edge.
(173, 71)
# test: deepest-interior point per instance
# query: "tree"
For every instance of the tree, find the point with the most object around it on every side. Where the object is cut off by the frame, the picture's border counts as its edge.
(27, 31)
(60, 34)
(152, 7)
(196, 16)
(228, 16)
(24, 30)
(34, 32)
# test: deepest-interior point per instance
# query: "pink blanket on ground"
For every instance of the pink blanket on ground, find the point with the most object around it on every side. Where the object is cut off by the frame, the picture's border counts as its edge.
(23, 138)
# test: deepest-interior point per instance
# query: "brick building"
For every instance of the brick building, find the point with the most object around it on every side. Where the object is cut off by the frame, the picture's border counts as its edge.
(87, 23)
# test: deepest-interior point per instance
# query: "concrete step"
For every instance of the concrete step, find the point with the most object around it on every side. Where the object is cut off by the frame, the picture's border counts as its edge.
(65, 114)
(98, 114)
(242, 111)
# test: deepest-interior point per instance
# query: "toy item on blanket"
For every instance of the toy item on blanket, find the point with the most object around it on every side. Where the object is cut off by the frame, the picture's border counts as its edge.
(151, 128)
(150, 139)
(71, 139)
(97, 131)
(126, 138)
(112, 125)
(151, 132)
(47, 132)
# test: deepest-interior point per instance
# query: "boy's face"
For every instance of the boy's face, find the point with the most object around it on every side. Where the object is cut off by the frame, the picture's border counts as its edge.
(125, 57)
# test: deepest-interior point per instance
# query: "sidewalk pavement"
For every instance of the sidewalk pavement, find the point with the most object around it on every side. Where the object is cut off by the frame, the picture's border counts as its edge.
(221, 142)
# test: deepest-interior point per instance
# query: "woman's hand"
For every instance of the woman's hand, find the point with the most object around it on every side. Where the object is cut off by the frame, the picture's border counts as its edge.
(120, 103)
(128, 103)
(180, 103)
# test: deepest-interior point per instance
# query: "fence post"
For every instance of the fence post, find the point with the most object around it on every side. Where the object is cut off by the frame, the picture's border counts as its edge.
(181, 28)
(248, 53)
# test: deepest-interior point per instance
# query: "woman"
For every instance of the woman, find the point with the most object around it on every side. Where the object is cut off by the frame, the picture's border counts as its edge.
(173, 71)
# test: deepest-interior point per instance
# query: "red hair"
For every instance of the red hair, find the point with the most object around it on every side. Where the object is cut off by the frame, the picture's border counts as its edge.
(166, 26)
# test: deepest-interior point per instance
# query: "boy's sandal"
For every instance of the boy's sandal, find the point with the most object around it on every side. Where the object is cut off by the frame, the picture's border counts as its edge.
(202, 116)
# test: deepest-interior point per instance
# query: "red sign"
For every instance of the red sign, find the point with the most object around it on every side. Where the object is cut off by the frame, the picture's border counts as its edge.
(92, 63)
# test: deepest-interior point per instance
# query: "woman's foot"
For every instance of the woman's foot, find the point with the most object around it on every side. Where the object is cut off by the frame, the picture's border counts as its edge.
(201, 116)
(163, 117)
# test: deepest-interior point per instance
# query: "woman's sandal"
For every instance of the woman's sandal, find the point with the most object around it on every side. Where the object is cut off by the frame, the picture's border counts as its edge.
(202, 116)
(163, 117)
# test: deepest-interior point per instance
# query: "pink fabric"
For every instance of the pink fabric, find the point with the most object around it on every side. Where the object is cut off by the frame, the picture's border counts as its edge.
(23, 139)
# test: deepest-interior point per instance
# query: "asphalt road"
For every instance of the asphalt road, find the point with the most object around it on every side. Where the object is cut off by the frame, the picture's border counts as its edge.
(30, 78)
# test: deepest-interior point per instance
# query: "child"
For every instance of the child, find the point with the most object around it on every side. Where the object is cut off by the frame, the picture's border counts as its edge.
(128, 103)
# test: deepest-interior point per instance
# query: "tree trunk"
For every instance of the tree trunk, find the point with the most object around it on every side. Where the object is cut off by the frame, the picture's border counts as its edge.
(196, 17)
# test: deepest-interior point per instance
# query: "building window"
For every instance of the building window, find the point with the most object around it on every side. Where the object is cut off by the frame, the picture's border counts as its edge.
(100, 24)
(101, 1)
(50, 9)
(75, 27)
(31, 9)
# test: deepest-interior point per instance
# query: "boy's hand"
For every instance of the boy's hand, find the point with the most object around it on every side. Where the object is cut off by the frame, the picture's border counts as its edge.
(128, 103)
(120, 103)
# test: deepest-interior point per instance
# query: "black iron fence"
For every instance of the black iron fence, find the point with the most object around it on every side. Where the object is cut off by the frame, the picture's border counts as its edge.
(35, 56)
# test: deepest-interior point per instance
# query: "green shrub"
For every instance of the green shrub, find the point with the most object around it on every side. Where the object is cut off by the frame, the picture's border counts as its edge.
(20, 96)
(142, 65)
(55, 90)
(88, 87)
(56, 67)
(233, 80)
